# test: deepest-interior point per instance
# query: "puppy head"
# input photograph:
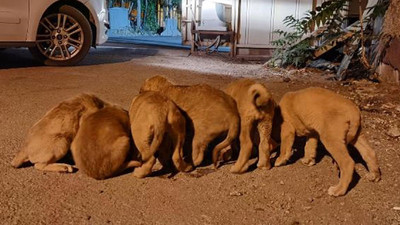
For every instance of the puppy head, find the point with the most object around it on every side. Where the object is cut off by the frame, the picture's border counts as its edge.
(156, 83)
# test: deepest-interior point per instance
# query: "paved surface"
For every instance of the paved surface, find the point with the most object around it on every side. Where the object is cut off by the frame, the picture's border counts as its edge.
(293, 194)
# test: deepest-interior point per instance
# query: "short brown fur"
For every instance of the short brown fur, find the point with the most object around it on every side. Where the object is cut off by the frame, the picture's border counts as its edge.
(102, 146)
(49, 139)
(212, 112)
(256, 109)
(154, 118)
(321, 114)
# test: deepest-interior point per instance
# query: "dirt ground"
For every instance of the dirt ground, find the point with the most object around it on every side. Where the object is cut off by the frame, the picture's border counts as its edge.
(292, 194)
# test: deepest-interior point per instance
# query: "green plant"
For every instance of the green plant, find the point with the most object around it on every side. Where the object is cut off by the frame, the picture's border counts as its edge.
(150, 20)
(292, 50)
(296, 47)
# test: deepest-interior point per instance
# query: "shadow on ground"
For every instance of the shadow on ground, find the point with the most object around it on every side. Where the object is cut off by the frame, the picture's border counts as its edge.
(21, 57)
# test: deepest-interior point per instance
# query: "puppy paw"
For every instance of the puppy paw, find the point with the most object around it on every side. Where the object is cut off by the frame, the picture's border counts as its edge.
(373, 176)
(69, 169)
(280, 161)
(237, 169)
(263, 165)
(308, 161)
(336, 191)
(197, 161)
(139, 173)
(65, 169)
(186, 168)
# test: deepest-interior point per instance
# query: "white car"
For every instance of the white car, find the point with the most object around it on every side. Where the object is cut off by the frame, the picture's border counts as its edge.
(57, 32)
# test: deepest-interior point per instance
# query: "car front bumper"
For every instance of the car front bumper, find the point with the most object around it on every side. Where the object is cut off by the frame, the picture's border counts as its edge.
(99, 11)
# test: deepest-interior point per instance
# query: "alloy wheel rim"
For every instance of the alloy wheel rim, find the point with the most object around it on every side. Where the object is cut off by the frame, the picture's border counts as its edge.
(60, 37)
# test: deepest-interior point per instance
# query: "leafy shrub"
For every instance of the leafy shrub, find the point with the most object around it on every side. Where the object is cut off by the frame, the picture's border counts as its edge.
(296, 47)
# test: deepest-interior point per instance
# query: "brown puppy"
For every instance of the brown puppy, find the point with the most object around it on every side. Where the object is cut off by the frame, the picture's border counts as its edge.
(212, 112)
(103, 143)
(49, 139)
(256, 109)
(322, 114)
(153, 119)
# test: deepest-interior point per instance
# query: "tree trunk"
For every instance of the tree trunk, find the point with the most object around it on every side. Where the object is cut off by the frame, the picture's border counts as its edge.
(165, 11)
(139, 15)
(169, 8)
(389, 45)
(145, 11)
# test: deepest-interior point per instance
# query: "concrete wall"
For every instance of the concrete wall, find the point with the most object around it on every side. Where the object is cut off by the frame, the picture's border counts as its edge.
(259, 18)
(252, 20)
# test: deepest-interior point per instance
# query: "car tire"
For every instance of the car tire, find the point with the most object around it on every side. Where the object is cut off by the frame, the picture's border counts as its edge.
(56, 45)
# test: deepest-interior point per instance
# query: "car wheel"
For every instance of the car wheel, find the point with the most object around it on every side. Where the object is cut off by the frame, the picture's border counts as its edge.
(63, 38)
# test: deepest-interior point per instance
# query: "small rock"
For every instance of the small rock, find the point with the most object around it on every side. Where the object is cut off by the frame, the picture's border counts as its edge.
(396, 208)
(207, 218)
(286, 79)
(346, 83)
(281, 183)
(393, 132)
(398, 108)
(387, 106)
(236, 193)
(307, 207)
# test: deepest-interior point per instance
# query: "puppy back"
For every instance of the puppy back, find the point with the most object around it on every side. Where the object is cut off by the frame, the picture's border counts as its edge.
(102, 143)
(156, 83)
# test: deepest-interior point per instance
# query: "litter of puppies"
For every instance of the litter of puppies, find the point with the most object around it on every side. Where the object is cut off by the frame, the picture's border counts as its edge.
(176, 124)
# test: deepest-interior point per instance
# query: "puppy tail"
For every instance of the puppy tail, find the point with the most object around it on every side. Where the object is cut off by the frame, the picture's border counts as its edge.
(260, 95)
(155, 144)
(231, 136)
(20, 158)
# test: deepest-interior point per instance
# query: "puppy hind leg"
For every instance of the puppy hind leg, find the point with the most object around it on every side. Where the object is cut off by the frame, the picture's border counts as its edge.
(310, 151)
(177, 131)
(340, 154)
(229, 139)
(177, 156)
(198, 151)
(145, 169)
(127, 165)
(199, 145)
(265, 146)
(246, 145)
(287, 137)
(46, 160)
(147, 153)
(54, 167)
(369, 156)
